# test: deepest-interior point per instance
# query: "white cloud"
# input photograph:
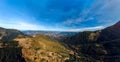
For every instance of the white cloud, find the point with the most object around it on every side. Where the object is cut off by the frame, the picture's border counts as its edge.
(102, 11)
(85, 29)
(28, 26)
(72, 21)
(22, 26)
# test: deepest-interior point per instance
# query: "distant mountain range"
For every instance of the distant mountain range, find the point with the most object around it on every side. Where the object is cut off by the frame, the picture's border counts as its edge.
(58, 35)
(51, 46)
(50, 33)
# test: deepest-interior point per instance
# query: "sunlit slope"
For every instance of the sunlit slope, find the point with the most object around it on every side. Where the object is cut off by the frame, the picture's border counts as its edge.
(41, 48)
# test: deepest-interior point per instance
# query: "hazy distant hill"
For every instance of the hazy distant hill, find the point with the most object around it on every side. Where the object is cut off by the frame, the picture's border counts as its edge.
(50, 33)
(53, 34)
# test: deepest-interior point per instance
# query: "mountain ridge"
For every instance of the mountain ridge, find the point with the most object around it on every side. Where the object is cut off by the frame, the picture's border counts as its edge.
(101, 46)
(110, 33)
(9, 34)
(86, 46)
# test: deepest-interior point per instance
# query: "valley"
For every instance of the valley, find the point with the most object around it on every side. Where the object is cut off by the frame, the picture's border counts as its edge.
(87, 46)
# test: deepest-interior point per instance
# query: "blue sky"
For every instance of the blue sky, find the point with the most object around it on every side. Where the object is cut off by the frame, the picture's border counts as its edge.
(59, 15)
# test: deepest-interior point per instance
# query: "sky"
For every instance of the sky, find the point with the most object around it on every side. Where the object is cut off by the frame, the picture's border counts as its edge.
(59, 15)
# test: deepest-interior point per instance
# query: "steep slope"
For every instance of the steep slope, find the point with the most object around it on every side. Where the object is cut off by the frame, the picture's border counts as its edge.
(98, 46)
(42, 48)
(11, 52)
(110, 33)
(87, 46)
(16, 47)
(9, 49)
(9, 34)
(110, 39)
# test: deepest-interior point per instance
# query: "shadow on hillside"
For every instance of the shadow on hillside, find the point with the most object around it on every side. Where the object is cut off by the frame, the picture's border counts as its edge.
(11, 55)
(10, 52)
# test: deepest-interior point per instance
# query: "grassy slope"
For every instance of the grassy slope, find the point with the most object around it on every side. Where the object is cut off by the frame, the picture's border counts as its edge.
(45, 43)
(41, 48)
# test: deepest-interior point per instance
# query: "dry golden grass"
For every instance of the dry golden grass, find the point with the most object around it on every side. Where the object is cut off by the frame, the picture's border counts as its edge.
(41, 47)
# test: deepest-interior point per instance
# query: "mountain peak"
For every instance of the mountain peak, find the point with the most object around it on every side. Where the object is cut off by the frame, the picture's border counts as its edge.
(117, 24)
(111, 32)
